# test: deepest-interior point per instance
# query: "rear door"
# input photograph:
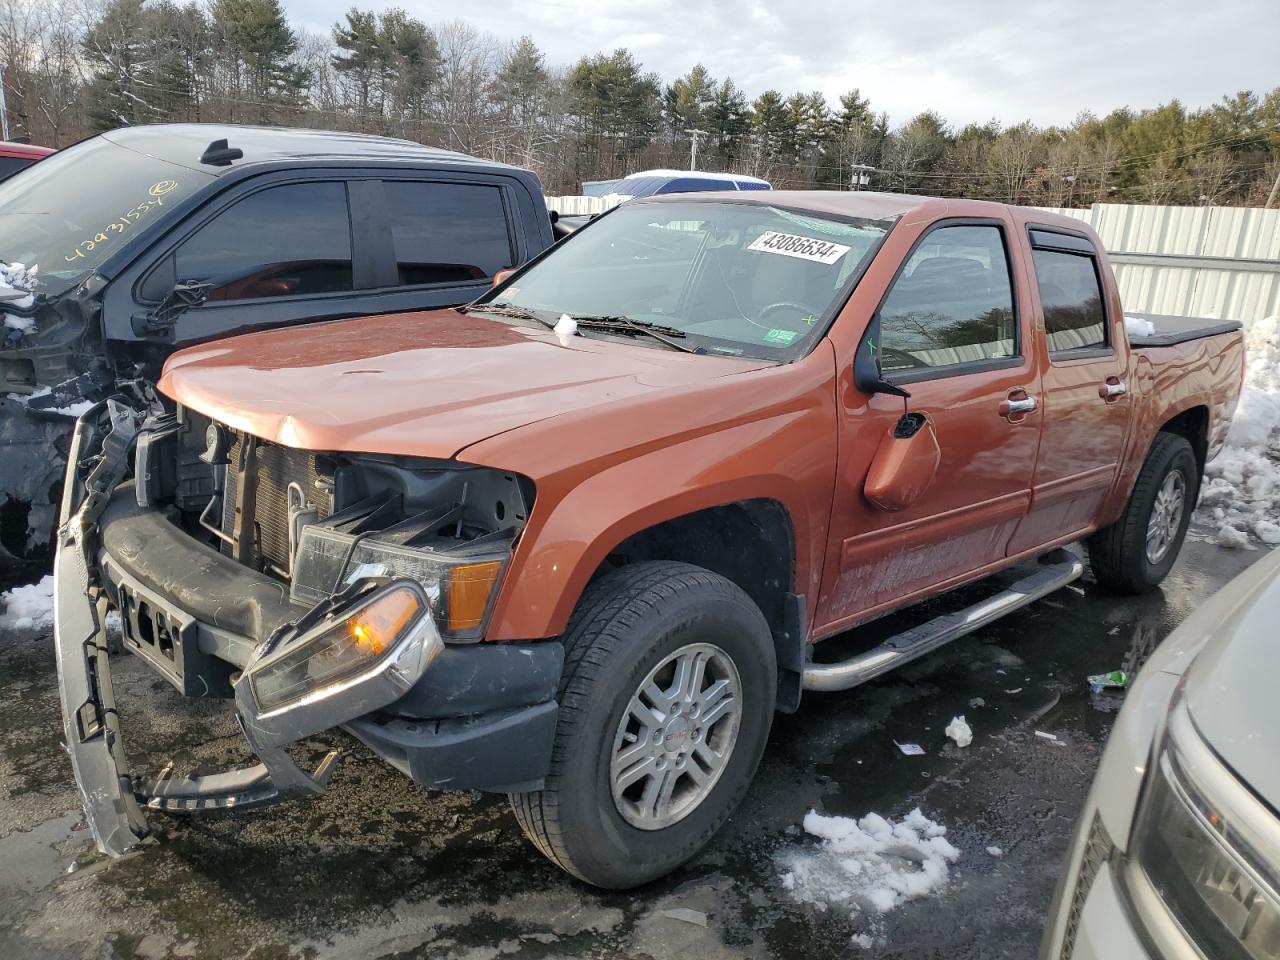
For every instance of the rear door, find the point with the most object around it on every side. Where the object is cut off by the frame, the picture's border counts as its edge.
(1085, 396)
(955, 332)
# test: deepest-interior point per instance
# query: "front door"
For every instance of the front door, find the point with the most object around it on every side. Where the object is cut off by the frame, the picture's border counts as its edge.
(1085, 394)
(954, 332)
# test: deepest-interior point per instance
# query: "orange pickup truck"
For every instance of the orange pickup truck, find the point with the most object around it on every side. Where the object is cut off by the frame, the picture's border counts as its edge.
(575, 542)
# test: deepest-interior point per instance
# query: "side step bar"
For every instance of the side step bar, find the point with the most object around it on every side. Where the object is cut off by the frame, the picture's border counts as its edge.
(1059, 568)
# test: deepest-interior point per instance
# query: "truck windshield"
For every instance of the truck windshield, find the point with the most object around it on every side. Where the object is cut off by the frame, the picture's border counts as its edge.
(743, 279)
(72, 210)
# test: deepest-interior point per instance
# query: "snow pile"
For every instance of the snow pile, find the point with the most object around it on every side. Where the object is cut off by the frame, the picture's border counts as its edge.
(872, 864)
(28, 607)
(1138, 327)
(17, 276)
(1241, 494)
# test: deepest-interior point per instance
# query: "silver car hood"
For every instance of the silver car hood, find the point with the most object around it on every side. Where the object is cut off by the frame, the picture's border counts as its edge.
(1231, 689)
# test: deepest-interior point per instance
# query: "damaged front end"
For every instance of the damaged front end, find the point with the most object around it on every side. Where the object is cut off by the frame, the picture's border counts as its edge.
(313, 590)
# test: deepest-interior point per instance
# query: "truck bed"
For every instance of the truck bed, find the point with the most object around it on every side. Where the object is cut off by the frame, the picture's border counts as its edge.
(1171, 330)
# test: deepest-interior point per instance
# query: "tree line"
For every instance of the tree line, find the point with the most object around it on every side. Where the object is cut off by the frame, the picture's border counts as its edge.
(76, 67)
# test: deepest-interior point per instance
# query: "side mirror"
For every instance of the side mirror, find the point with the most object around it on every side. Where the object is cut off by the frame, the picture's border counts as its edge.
(502, 276)
(867, 373)
(184, 295)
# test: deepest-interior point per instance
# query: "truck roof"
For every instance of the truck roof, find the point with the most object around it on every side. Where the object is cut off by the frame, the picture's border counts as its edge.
(26, 151)
(868, 204)
(184, 143)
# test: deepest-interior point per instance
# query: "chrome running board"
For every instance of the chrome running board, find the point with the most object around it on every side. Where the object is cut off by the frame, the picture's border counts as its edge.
(1060, 567)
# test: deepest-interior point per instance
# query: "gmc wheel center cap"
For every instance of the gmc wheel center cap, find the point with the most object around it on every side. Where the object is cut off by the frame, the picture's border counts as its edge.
(675, 738)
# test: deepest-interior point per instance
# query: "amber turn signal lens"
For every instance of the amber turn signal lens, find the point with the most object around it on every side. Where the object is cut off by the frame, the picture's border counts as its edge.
(470, 587)
(375, 628)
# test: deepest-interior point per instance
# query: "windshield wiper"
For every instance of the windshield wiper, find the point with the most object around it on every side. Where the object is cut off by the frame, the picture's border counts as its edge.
(505, 310)
(620, 324)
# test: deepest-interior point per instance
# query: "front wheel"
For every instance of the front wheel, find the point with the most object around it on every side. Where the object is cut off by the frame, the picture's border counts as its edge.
(665, 706)
(1137, 551)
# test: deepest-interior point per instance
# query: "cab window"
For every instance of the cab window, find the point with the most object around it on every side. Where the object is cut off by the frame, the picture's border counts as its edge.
(447, 232)
(1071, 297)
(290, 240)
(951, 305)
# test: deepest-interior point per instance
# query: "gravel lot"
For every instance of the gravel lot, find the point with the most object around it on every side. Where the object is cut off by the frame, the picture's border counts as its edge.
(380, 868)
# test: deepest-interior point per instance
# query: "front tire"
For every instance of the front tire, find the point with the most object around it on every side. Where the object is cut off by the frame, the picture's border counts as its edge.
(666, 702)
(1137, 551)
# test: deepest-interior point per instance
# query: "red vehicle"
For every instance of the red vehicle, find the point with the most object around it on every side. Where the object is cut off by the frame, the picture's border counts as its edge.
(576, 541)
(19, 156)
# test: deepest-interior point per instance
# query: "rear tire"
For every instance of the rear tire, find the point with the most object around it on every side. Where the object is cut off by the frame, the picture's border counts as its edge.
(635, 633)
(1137, 551)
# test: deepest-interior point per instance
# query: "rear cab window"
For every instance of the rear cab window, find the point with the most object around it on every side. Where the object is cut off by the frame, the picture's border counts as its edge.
(447, 233)
(1071, 294)
(951, 309)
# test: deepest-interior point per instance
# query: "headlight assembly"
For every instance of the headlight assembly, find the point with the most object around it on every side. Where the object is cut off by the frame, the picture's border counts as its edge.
(384, 641)
(1204, 843)
(460, 583)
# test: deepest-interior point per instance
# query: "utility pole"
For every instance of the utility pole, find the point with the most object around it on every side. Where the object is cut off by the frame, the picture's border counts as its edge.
(860, 176)
(4, 109)
(693, 148)
(1271, 197)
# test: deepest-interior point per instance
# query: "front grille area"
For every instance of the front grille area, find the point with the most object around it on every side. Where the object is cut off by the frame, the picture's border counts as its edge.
(1098, 849)
(277, 467)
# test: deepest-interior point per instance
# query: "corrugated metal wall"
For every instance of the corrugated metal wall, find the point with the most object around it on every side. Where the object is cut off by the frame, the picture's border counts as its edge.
(1221, 262)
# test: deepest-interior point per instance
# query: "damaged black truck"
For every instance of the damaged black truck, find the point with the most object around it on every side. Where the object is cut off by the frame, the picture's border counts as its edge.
(119, 250)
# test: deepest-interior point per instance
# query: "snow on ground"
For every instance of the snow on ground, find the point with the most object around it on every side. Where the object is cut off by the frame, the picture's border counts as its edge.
(870, 865)
(1240, 499)
(28, 607)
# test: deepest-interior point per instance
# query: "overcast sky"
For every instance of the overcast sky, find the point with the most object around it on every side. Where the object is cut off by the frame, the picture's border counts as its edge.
(972, 60)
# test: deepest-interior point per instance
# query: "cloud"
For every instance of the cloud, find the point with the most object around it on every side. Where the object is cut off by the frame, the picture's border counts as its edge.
(971, 60)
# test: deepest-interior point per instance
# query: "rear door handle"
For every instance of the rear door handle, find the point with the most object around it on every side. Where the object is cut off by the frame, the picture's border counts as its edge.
(1018, 405)
(1112, 388)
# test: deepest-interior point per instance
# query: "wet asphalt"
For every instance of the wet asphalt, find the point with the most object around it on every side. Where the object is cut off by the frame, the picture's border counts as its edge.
(380, 868)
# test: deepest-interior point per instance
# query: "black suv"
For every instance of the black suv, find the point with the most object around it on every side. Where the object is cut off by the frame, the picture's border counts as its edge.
(145, 239)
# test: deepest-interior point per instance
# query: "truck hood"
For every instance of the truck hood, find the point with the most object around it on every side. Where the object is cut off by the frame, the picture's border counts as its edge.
(1230, 686)
(418, 384)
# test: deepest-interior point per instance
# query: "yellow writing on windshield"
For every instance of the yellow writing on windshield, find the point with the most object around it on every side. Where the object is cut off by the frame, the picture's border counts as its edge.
(121, 225)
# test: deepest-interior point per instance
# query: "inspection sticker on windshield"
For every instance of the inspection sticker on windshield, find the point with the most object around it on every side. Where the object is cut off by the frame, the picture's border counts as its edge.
(805, 248)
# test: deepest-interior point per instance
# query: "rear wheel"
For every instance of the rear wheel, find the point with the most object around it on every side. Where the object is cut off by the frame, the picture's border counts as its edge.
(665, 706)
(1137, 551)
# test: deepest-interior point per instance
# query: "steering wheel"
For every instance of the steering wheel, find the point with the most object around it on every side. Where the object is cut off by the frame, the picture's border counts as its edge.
(802, 309)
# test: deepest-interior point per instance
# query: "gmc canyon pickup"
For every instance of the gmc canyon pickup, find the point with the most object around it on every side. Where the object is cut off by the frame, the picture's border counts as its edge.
(124, 247)
(575, 542)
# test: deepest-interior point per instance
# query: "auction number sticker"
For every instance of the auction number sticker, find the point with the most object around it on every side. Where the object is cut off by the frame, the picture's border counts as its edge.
(804, 248)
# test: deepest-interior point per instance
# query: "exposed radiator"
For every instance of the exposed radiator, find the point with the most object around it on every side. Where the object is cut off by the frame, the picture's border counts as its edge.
(277, 467)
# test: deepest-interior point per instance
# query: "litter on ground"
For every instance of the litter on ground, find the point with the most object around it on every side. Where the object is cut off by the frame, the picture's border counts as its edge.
(910, 749)
(696, 917)
(1116, 679)
(995, 851)
(959, 731)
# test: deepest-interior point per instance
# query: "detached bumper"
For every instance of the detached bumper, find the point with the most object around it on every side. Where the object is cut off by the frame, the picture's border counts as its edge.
(466, 717)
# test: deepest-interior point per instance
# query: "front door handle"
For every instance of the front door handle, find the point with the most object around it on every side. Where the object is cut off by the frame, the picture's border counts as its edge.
(1112, 388)
(1019, 404)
